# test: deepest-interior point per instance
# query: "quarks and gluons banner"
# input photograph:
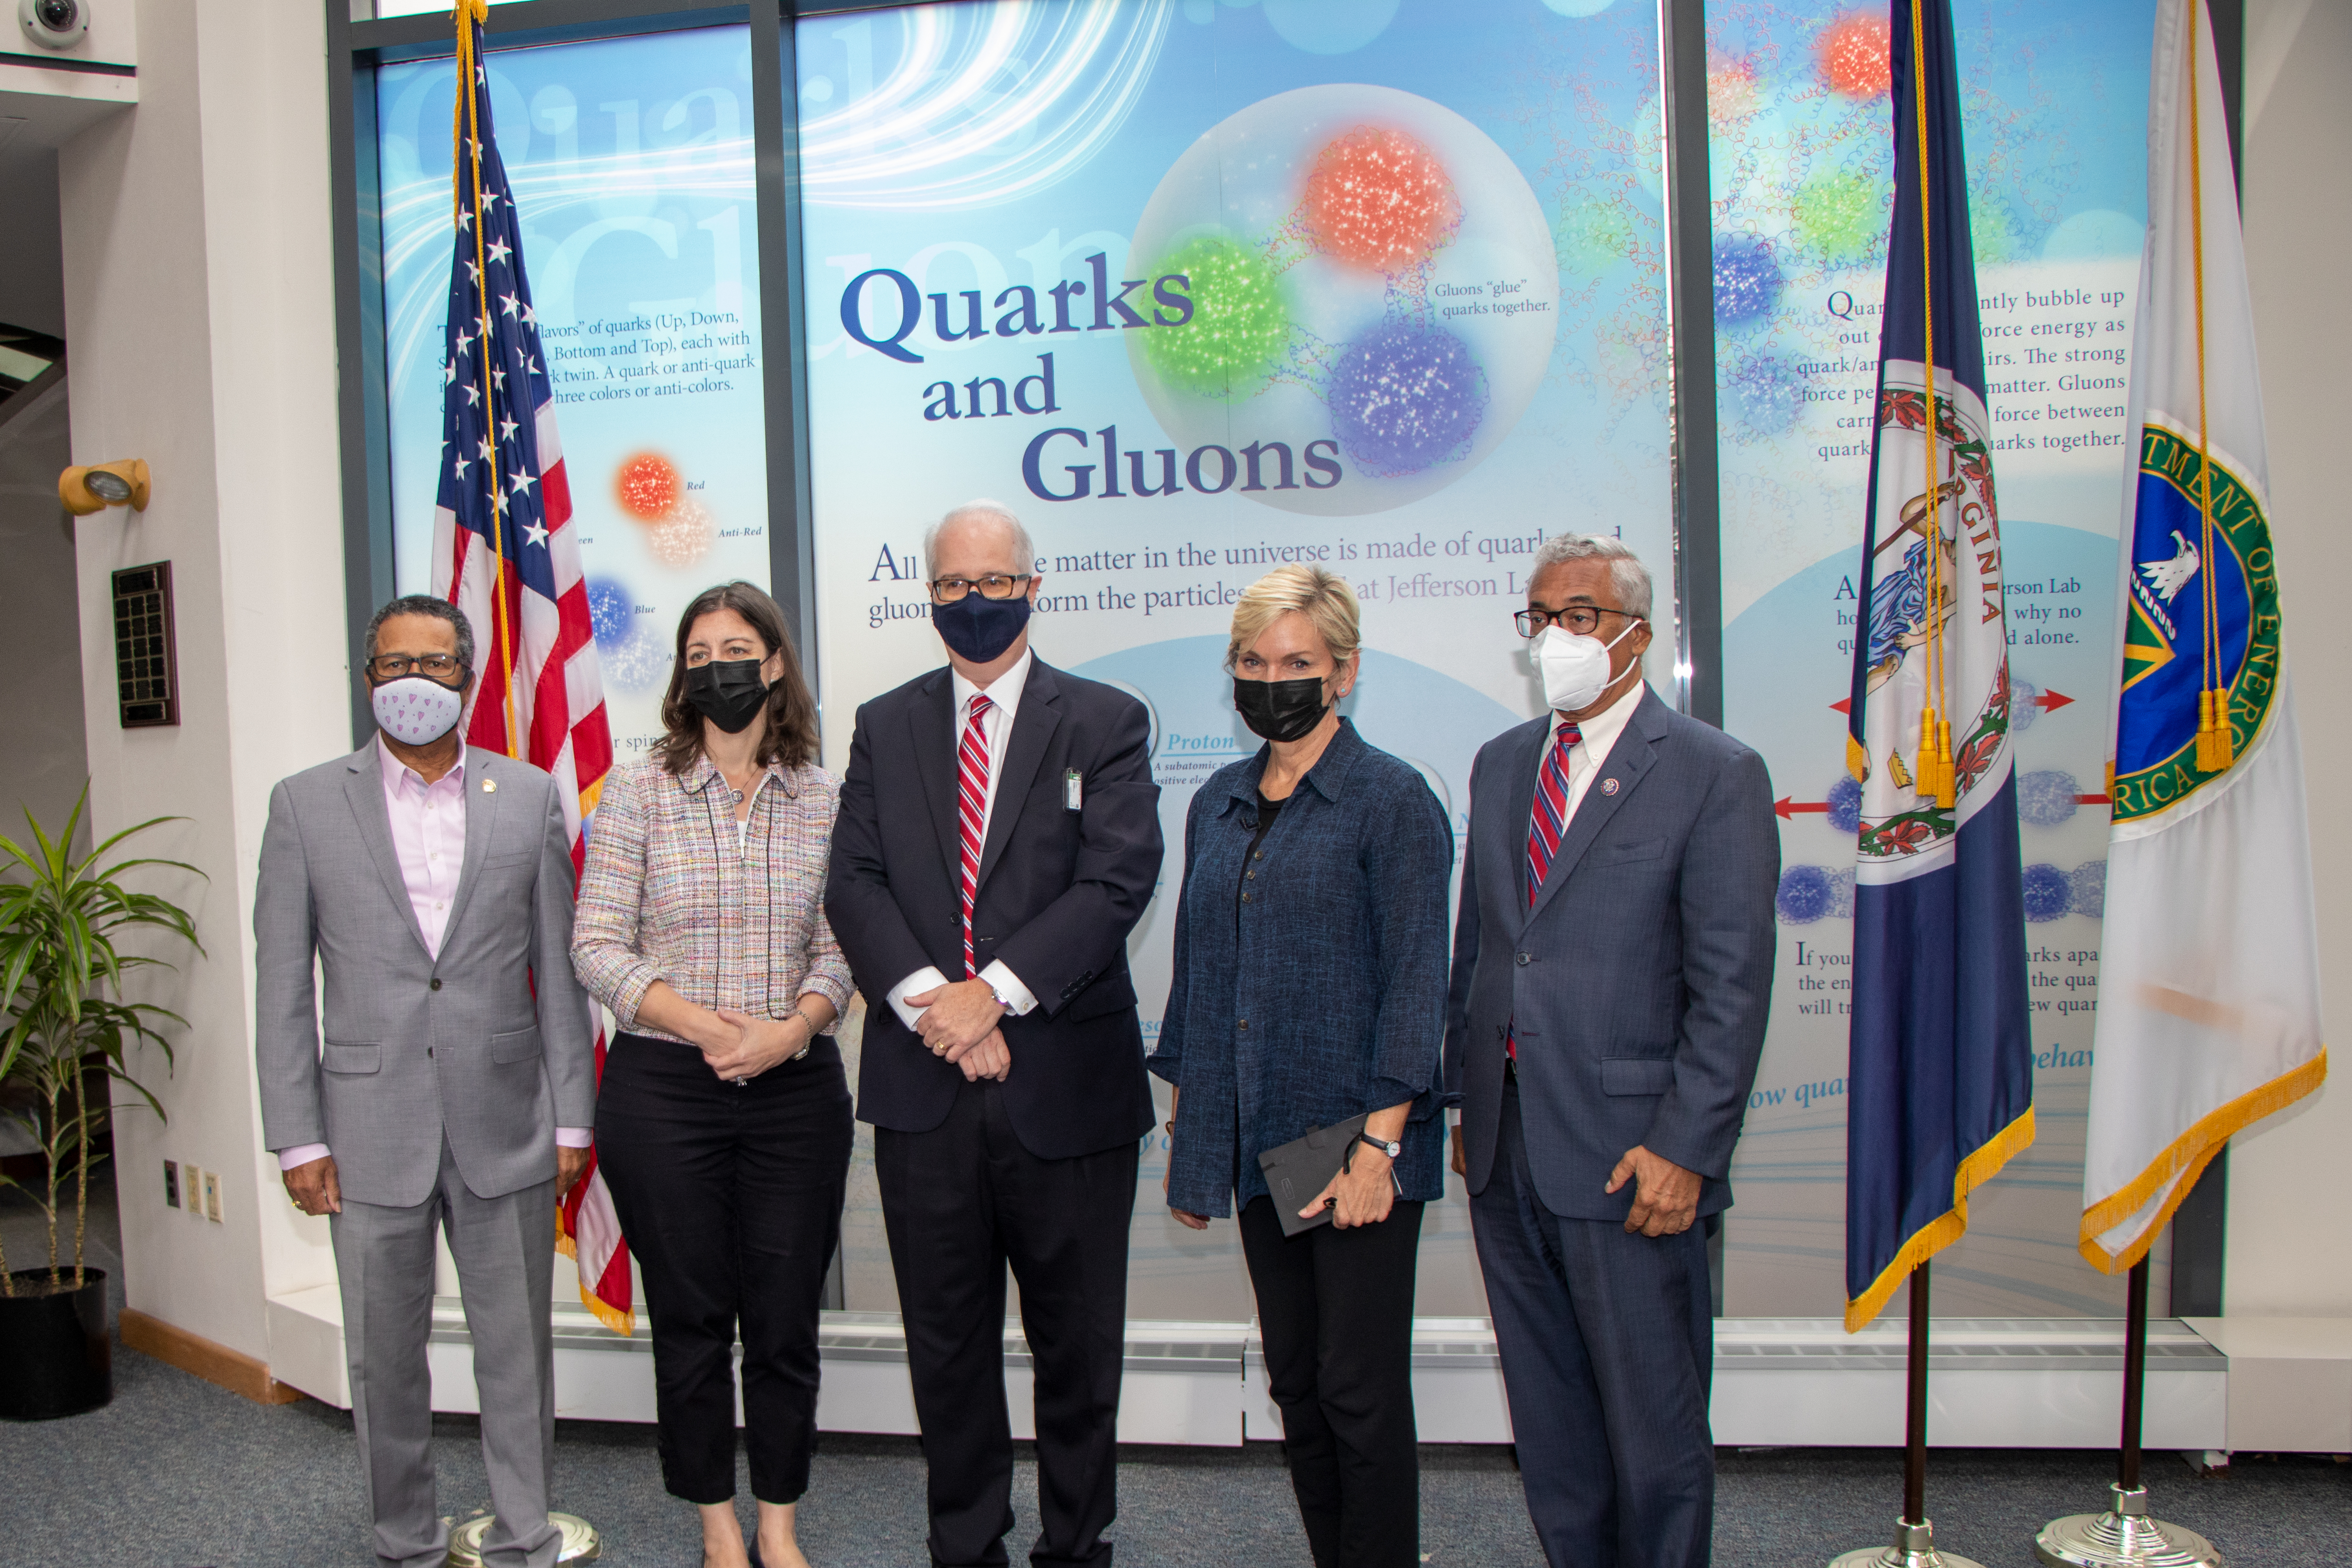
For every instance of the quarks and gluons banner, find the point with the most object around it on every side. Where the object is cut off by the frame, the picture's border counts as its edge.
(1201, 286)
(1199, 289)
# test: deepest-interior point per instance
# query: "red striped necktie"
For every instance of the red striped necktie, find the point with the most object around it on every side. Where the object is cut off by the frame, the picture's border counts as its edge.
(1547, 824)
(971, 807)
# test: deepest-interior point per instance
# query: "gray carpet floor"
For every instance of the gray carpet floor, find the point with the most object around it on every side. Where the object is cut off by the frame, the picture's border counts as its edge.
(177, 1473)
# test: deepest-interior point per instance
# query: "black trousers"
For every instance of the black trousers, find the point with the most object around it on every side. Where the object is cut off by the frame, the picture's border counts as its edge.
(961, 1202)
(1335, 1310)
(731, 1198)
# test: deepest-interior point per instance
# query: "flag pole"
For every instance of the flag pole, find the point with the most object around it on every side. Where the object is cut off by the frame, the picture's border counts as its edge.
(2124, 1536)
(1915, 1536)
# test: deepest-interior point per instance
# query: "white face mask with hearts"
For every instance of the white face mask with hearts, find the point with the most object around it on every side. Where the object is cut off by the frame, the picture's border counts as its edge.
(416, 710)
(1575, 669)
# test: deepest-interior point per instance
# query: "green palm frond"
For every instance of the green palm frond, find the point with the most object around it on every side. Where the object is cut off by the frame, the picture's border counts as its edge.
(62, 1012)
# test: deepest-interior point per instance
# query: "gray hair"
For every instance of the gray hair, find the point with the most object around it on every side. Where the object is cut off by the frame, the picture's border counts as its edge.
(1023, 553)
(431, 608)
(1626, 573)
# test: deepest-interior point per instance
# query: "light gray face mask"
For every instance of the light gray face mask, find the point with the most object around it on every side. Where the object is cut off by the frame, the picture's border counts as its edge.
(416, 710)
(1575, 669)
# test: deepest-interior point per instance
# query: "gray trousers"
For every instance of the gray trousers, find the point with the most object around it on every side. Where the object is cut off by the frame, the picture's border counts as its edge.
(505, 1249)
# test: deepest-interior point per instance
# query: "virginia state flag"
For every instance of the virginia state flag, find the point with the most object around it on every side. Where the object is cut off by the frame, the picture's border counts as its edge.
(2209, 984)
(1940, 1060)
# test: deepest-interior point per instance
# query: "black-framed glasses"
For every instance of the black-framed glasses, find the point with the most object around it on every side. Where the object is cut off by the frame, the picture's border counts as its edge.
(995, 585)
(441, 667)
(1583, 620)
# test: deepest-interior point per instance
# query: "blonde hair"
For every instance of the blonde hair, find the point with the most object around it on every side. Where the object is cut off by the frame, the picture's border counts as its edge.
(1323, 598)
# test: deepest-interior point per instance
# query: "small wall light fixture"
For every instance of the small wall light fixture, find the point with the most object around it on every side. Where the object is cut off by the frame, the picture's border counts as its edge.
(95, 486)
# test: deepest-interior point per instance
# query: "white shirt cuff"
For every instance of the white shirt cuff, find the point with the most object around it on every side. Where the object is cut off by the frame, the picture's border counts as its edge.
(300, 1154)
(575, 1137)
(1009, 988)
(926, 978)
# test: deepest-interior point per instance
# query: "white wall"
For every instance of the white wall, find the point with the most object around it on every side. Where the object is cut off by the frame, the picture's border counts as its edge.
(199, 313)
(42, 765)
(2290, 1248)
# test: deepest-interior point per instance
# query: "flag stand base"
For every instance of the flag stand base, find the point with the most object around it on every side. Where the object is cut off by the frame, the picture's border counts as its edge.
(2123, 1537)
(1914, 1547)
(578, 1541)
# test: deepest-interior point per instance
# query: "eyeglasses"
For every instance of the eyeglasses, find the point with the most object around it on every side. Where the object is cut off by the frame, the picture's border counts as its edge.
(441, 667)
(995, 585)
(1583, 620)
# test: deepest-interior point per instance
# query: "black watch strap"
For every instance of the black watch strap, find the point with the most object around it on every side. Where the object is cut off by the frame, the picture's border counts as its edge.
(1394, 1151)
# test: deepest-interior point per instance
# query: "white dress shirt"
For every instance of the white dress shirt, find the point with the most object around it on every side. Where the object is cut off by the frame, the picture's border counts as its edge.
(429, 840)
(1596, 736)
(996, 724)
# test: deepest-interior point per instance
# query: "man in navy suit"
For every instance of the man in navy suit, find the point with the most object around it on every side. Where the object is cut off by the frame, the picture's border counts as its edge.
(1612, 965)
(999, 836)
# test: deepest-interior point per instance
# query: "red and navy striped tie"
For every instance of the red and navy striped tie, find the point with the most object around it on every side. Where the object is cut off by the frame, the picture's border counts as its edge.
(971, 806)
(1547, 824)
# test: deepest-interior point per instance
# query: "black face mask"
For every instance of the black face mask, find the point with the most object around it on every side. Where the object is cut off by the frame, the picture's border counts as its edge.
(729, 693)
(979, 628)
(1281, 710)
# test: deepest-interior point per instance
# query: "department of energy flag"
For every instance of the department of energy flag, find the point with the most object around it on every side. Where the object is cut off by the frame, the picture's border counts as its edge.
(1940, 1063)
(2209, 984)
(504, 551)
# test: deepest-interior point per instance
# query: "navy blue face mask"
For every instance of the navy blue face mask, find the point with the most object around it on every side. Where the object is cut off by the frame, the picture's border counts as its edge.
(979, 628)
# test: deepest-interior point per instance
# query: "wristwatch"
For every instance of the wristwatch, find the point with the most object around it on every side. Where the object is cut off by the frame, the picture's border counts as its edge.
(1392, 1150)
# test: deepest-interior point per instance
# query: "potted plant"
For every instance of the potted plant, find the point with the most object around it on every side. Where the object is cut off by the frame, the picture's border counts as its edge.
(62, 999)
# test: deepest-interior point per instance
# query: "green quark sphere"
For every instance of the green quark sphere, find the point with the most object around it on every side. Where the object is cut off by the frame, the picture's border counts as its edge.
(1992, 231)
(1591, 235)
(1840, 216)
(1239, 324)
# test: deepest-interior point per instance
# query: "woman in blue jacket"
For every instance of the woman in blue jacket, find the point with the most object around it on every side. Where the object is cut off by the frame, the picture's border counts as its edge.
(1309, 988)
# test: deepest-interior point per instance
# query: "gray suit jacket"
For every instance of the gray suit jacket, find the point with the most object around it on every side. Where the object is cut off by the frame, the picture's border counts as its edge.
(1639, 983)
(416, 1049)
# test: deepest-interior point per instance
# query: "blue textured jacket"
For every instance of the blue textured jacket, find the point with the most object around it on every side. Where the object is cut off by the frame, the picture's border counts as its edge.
(1326, 997)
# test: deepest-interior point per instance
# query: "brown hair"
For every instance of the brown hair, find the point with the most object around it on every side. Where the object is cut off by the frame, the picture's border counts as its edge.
(791, 738)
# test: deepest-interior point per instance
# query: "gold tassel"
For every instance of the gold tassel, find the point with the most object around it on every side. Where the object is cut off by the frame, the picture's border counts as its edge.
(2216, 745)
(1928, 775)
(1946, 783)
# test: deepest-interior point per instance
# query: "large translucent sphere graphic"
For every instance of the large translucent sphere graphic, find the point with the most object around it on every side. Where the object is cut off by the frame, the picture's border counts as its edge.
(1370, 272)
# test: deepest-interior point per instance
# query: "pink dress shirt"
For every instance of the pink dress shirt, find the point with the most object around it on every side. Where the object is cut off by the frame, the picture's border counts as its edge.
(428, 839)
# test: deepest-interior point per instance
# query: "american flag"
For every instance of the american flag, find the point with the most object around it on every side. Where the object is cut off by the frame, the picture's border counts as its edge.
(505, 553)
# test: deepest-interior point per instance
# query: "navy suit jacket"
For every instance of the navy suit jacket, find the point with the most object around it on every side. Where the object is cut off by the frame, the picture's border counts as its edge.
(1058, 892)
(1638, 983)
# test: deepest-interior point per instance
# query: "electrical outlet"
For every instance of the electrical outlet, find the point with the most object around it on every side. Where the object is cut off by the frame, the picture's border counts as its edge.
(212, 1197)
(192, 1189)
(172, 1184)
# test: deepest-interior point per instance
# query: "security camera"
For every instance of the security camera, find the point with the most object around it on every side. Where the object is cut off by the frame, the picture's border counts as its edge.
(54, 24)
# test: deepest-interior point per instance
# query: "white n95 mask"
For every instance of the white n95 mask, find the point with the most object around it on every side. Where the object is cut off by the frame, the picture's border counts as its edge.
(1575, 669)
(417, 711)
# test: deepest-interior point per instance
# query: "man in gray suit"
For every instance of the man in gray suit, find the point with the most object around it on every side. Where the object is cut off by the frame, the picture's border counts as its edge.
(433, 886)
(1613, 963)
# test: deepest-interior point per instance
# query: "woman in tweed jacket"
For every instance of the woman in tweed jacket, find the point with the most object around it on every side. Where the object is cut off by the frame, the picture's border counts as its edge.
(723, 1122)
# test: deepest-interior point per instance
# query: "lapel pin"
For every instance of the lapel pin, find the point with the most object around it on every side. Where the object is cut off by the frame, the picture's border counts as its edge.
(1607, 786)
(491, 786)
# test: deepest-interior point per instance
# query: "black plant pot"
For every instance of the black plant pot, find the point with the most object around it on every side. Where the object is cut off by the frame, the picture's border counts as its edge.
(55, 1357)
